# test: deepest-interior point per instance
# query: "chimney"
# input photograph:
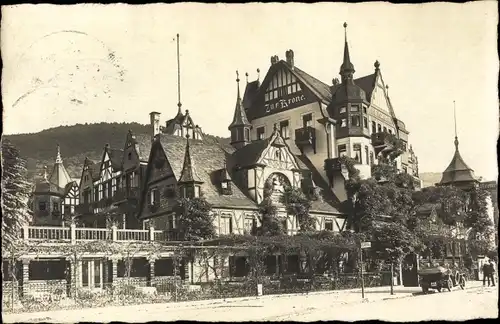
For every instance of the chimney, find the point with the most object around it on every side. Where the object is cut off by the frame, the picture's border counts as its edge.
(289, 58)
(154, 118)
(274, 59)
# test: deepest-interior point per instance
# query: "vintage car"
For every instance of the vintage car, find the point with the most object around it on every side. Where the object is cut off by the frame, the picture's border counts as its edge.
(435, 278)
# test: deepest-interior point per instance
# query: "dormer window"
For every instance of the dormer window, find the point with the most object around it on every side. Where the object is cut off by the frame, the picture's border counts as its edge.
(354, 108)
(224, 185)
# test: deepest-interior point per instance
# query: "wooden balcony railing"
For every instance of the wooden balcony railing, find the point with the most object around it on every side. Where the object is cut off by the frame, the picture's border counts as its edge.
(306, 136)
(123, 194)
(73, 234)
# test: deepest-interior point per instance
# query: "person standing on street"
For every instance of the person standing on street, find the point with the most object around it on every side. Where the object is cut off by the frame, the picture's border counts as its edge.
(491, 272)
(486, 273)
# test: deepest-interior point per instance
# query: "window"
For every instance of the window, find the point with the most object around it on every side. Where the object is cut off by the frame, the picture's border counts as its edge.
(343, 122)
(390, 131)
(307, 120)
(171, 223)
(342, 150)
(96, 194)
(405, 169)
(364, 110)
(284, 223)
(260, 133)
(47, 270)
(355, 121)
(284, 128)
(249, 224)
(153, 196)
(278, 155)
(42, 205)
(357, 151)
(354, 108)
(282, 84)
(371, 158)
(385, 129)
(110, 190)
(342, 110)
(225, 225)
(328, 225)
(247, 134)
(365, 122)
(374, 127)
(367, 154)
(379, 128)
(224, 185)
(129, 156)
(55, 206)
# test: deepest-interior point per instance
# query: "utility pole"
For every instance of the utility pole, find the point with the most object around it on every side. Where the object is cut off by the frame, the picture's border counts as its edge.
(362, 278)
(392, 278)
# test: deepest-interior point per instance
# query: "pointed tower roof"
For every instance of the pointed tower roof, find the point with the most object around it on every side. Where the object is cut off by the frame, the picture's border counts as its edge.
(457, 172)
(347, 66)
(188, 173)
(240, 116)
(59, 175)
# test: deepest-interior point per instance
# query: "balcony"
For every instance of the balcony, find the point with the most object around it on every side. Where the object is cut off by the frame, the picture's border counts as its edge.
(387, 143)
(305, 137)
(123, 195)
(73, 234)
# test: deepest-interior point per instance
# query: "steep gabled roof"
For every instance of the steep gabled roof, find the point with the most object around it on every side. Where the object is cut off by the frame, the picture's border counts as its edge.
(250, 91)
(249, 154)
(116, 157)
(188, 173)
(143, 146)
(367, 83)
(209, 157)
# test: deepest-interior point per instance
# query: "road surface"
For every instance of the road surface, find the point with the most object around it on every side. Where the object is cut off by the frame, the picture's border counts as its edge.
(456, 305)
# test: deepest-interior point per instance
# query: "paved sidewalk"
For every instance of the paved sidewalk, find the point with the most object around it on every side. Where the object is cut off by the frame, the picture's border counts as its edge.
(339, 297)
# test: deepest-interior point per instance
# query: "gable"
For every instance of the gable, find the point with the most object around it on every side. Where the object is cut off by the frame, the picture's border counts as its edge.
(106, 168)
(379, 99)
(281, 90)
(86, 179)
(278, 157)
(159, 165)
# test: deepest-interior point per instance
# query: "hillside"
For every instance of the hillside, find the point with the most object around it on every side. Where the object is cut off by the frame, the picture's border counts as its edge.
(430, 178)
(76, 142)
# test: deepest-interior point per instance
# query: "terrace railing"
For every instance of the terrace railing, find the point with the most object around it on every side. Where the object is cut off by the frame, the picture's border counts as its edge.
(73, 234)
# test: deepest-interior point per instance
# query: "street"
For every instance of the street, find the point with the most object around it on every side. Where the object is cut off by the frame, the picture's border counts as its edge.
(474, 302)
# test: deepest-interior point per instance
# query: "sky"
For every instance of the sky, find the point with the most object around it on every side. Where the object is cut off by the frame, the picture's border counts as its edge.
(91, 63)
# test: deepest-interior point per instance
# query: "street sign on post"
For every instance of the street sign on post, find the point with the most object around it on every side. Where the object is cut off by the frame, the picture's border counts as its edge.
(365, 245)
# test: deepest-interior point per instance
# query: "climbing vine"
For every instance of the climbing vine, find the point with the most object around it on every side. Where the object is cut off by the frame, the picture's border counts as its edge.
(297, 204)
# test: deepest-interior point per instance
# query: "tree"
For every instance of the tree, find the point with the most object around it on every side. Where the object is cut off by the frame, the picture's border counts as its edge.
(298, 204)
(15, 194)
(196, 221)
(392, 242)
(270, 224)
